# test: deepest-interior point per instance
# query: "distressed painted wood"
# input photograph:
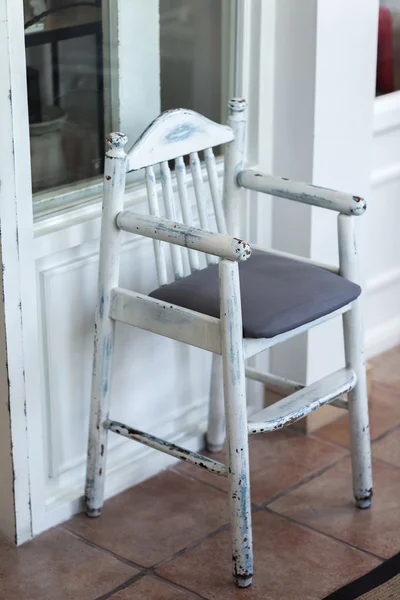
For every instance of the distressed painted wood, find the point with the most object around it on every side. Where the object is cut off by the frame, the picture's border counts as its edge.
(233, 194)
(211, 167)
(287, 411)
(215, 437)
(355, 359)
(236, 423)
(203, 462)
(20, 385)
(198, 183)
(273, 382)
(168, 193)
(218, 244)
(283, 385)
(254, 346)
(175, 133)
(302, 192)
(180, 173)
(175, 322)
(114, 188)
(154, 208)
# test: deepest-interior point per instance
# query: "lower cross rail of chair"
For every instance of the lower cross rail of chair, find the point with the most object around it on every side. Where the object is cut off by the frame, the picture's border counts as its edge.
(281, 414)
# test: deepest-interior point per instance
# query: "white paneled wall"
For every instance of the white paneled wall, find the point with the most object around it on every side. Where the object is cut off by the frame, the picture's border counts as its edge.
(379, 231)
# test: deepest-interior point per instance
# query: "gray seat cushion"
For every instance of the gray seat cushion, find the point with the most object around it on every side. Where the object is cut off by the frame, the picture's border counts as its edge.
(278, 294)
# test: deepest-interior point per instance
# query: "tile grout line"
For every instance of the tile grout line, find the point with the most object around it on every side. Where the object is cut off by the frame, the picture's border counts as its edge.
(305, 480)
(178, 586)
(314, 436)
(386, 433)
(384, 463)
(190, 546)
(196, 480)
(327, 535)
(386, 386)
(121, 587)
(147, 570)
(84, 540)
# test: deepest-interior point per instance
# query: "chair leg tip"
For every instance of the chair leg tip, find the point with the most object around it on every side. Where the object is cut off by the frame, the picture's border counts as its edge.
(93, 512)
(364, 500)
(213, 448)
(363, 503)
(243, 582)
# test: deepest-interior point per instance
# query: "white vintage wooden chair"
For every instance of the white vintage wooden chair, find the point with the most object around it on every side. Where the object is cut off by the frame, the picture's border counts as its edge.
(234, 308)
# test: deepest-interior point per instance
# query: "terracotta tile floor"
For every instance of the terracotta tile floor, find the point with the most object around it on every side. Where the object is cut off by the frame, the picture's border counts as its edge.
(168, 539)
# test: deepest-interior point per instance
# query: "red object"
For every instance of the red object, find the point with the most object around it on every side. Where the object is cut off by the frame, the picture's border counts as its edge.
(385, 66)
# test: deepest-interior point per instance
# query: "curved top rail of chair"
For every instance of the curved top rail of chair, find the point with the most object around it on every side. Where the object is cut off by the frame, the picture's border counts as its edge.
(176, 133)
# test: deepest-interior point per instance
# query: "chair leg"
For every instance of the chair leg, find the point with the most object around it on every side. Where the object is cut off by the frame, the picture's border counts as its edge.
(113, 203)
(100, 402)
(354, 350)
(216, 416)
(236, 424)
(358, 409)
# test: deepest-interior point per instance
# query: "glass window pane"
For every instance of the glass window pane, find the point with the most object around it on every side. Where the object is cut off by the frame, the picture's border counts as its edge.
(73, 99)
(191, 55)
(65, 91)
(388, 62)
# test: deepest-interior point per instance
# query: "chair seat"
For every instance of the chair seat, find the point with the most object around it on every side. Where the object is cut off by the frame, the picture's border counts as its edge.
(278, 293)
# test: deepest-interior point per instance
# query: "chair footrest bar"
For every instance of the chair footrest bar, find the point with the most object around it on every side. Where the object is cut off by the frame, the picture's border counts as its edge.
(274, 382)
(163, 446)
(301, 403)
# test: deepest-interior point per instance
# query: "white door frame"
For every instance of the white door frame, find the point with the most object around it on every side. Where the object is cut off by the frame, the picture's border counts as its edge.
(19, 422)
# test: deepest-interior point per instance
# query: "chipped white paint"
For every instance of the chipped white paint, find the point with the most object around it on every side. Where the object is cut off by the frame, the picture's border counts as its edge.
(302, 402)
(114, 188)
(274, 382)
(253, 346)
(204, 462)
(155, 211)
(168, 193)
(175, 322)
(218, 244)
(236, 422)
(211, 166)
(198, 184)
(180, 173)
(170, 137)
(355, 359)
(216, 416)
(302, 192)
(237, 119)
(175, 133)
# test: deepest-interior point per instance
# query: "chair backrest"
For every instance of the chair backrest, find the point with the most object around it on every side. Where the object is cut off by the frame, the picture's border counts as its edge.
(181, 133)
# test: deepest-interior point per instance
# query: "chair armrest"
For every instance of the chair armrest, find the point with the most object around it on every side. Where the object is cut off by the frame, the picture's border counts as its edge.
(346, 204)
(223, 246)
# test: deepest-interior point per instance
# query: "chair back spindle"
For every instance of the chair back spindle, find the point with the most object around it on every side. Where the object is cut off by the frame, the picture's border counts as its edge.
(155, 211)
(174, 135)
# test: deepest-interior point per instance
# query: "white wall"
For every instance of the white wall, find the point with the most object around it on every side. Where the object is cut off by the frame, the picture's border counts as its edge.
(379, 234)
(323, 133)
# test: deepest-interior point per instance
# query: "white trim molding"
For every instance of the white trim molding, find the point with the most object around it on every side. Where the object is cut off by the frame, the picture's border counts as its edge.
(20, 420)
(387, 113)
